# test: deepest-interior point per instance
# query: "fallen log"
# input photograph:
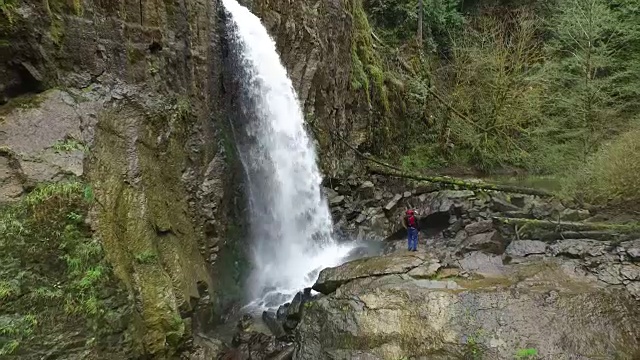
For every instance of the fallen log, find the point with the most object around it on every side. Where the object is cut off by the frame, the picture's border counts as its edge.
(549, 230)
(471, 185)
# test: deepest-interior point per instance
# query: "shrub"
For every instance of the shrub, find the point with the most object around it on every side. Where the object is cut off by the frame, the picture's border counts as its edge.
(611, 177)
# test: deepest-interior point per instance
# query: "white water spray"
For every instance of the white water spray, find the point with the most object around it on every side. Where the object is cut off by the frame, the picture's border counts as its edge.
(291, 227)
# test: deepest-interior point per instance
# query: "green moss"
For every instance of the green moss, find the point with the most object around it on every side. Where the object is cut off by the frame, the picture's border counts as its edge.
(56, 30)
(147, 257)
(134, 55)
(366, 66)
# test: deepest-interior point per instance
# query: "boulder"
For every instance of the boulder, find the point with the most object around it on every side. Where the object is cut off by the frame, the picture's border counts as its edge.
(491, 242)
(574, 215)
(479, 227)
(522, 248)
(271, 321)
(367, 190)
(295, 309)
(540, 306)
(579, 248)
(336, 200)
(392, 204)
(398, 263)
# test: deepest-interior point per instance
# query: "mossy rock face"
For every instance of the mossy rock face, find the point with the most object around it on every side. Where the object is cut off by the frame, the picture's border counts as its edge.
(144, 219)
(545, 306)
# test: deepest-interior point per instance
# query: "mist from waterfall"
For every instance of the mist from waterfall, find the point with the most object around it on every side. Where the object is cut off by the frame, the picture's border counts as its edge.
(291, 227)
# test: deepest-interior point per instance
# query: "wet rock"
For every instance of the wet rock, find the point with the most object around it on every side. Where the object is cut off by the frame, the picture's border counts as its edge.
(281, 314)
(273, 324)
(295, 309)
(522, 248)
(479, 227)
(579, 248)
(491, 242)
(392, 204)
(332, 278)
(290, 324)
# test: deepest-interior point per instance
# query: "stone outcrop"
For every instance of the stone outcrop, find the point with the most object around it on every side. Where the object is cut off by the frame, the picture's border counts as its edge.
(548, 306)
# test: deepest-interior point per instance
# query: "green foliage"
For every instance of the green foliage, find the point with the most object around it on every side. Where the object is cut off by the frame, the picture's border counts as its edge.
(68, 145)
(50, 266)
(397, 21)
(7, 10)
(14, 329)
(527, 354)
(582, 104)
(611, 177)
(537, 86)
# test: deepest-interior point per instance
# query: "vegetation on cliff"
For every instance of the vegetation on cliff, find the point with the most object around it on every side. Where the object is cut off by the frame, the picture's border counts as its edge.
(56, 290)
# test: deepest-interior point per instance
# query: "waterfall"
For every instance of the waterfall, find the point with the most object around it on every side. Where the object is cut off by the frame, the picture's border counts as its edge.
(291, 227)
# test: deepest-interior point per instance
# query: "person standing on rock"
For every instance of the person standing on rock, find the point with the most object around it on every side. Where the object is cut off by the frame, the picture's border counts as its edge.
(410, 222)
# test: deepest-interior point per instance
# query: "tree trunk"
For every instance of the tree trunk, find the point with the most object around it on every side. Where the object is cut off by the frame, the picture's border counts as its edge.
(472, 185)
(420, 16)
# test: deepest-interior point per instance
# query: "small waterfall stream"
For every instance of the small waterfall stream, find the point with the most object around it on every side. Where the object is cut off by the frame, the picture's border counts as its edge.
(291, 227)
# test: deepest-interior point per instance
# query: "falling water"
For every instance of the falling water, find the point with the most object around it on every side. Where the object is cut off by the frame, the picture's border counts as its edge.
(291, 227)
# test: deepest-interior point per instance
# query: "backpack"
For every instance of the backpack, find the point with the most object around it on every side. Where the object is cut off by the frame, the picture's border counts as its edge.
(411, 221)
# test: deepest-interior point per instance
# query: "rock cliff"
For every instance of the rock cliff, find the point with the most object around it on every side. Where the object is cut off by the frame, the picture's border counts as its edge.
(127, 98)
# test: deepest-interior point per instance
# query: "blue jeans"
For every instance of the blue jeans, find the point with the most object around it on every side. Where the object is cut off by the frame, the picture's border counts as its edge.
(412, 238)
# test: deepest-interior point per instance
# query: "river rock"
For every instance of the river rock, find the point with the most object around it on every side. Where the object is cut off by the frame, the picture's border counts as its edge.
(479, 227)
(522, 248)
(395, 317)
(398, 263)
